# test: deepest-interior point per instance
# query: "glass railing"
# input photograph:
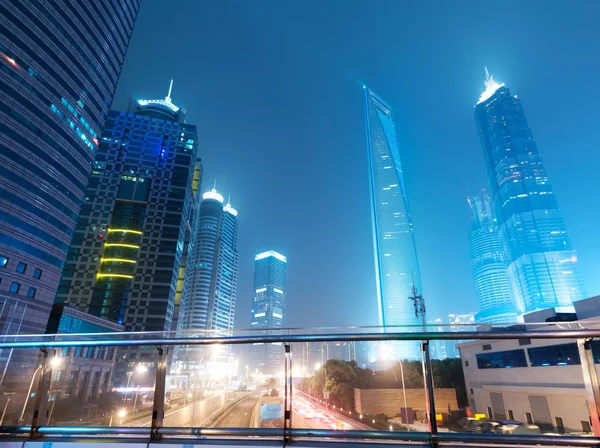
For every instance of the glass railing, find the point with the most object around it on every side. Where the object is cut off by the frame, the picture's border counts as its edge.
(518, 384)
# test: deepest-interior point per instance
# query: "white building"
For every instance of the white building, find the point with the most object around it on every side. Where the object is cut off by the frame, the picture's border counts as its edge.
(545, 383)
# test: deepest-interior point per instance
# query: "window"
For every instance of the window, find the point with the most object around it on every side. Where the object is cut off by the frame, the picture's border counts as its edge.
(15, 287)
(560, 427)
(554, 355)
(471, 391)
(21, 267)
(487, 346)
(528, 418)
(466, 363)
(585, 426)
(511, 416)
(3, 261)
(502, 360)
(31, 292)
(37, 274)
(525, 341)
(490, 413)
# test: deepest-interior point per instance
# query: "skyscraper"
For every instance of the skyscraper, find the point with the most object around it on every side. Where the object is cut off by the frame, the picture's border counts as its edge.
(59, 67)
(489, 264)
(209, 289)
(458, 323)
(129, 243)
(396, 265)
(268, 307)
(543, 266)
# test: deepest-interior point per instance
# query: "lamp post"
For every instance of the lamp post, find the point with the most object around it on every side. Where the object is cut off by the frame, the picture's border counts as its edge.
(53, 363)
(139, 369)
(388, 353)
(4, 411)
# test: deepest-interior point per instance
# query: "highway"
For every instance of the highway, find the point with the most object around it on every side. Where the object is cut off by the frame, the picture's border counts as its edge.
(239, 415)
(307, 414)
(182, 416)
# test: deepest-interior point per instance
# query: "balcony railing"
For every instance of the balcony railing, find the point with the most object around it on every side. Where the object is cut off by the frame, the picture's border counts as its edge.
(193, 404)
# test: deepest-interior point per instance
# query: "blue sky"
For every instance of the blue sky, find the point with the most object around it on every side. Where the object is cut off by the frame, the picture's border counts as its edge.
(274, 88)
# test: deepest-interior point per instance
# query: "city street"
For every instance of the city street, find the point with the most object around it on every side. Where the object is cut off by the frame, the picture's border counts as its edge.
(239, 415)
(182, 416)
(307, 414)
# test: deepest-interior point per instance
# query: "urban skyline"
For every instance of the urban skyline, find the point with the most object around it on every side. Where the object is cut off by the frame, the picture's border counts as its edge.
(434, 298)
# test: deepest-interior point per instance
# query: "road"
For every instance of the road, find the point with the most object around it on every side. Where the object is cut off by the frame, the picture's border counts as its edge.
(312, 415)
(239, 415)
(182, 416)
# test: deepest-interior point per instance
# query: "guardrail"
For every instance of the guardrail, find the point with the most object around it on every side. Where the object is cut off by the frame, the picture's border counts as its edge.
(38, 429)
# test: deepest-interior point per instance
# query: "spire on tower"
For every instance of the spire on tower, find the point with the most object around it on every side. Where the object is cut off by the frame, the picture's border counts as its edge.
(490, 86)
(168, 98)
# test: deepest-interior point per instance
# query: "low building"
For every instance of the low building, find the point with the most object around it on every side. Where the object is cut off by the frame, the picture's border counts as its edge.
(84, 373)
(390, 401)
(545, 384)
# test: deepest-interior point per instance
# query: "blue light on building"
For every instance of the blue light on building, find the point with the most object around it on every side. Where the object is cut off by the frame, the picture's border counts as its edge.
(396, 265)
(543, 266)
(489, 264)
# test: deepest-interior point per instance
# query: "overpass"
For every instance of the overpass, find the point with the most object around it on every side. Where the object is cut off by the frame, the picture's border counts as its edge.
(224, 418)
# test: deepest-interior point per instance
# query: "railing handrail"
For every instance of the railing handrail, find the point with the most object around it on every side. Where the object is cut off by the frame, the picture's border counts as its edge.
(316, 337)
(173, 432)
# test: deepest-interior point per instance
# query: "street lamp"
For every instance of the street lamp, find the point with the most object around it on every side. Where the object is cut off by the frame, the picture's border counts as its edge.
(122, 413)
(138, 369)
(54, 362)
(387, 353)
(4, 411)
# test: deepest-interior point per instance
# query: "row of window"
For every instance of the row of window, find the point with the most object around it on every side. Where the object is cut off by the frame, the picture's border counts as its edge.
(21, 267)
(551, 355)
(15, 287)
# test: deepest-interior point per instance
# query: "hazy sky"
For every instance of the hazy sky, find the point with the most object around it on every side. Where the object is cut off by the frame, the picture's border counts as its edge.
(273, 88)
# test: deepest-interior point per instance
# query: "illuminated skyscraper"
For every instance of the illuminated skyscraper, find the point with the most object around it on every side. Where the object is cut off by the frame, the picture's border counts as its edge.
(268, 307)
(489, 265)
(543, 267)
(209, 290)
(396, 265)
(59, 67)
(128, 250)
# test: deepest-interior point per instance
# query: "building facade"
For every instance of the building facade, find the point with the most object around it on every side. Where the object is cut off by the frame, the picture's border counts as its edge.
(489, 264)
(543, 266)
(545, 386)
(396, 265)
(269, 308)
(129, 244)
(458, 323)
(59, 67)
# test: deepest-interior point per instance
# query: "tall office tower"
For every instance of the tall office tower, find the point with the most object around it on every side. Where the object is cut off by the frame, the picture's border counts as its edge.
(129, 243)
(59, 66)
(209, 290)
(396, 265)
(268, 308)
(458, 323)
(543, 266)
(489, 264)
(438, 348)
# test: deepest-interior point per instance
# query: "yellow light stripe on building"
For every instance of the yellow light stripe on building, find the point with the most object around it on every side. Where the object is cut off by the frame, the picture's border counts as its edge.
(119, 260)
(114, 275)
(132, 246)
(137, 232)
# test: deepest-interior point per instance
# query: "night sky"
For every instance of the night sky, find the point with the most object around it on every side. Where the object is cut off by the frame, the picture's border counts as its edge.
(274, 89)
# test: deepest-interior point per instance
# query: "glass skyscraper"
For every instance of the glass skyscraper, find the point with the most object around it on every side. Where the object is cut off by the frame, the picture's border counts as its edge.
(128, 248)
(268, 308)
(489, 264)
(60, 62)
(209, 289)
(543, 267)
(396, 265)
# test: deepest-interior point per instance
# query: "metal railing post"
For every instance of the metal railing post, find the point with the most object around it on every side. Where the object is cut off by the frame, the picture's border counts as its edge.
(158, 407)
(590, 380)
(40, 405)
(429, 392)
(287, 420)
